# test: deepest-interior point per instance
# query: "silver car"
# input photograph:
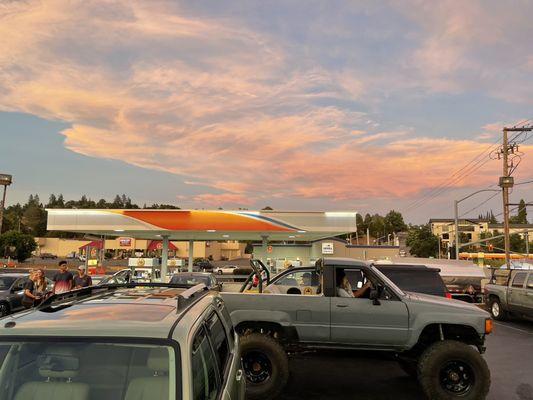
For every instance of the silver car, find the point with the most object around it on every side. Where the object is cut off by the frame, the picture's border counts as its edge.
(148, 342)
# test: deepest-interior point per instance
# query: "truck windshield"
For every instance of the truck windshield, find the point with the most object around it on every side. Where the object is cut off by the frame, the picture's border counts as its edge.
(389, 283)
(87, 370)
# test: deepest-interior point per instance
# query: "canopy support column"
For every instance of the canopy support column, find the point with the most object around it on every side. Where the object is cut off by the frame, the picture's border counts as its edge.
(191, 254)
(265, 249)
(164, 259)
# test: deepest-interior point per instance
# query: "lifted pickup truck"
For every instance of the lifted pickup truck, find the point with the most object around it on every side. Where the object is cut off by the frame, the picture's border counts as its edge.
(435, 339)
(512, 298)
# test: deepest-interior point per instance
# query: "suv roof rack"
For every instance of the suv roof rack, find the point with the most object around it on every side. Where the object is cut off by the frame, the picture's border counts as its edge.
(83, 293)
(190, 295)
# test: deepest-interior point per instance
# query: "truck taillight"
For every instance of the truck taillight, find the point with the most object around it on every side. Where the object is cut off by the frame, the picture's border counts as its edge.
(448, 295)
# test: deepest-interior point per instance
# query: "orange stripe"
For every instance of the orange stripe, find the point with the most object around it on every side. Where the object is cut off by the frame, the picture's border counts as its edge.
(202, 221)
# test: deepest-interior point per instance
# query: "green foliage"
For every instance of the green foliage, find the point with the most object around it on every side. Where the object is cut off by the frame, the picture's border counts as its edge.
(422, 242)
(249, 249)
(22, 244)
(394, 222)
(521, 216)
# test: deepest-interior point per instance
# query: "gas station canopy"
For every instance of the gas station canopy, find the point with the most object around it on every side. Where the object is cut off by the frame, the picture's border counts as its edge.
(203, 225)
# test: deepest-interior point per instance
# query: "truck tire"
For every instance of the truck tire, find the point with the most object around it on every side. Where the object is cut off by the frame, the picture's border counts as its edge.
(496, 310)
(451, 370)
(266, 366)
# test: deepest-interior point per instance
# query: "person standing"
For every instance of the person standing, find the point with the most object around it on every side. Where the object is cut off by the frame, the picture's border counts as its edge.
(41, 286)
(63, 280)
(30, 297)
(82, 279)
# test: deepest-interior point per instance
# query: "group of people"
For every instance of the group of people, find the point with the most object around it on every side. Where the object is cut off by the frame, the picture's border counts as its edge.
(36, 288)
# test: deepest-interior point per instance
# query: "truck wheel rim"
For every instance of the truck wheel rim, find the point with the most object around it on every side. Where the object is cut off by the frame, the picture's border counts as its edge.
(257, 367)
(3, 310)
(495, 309)
(457, 377)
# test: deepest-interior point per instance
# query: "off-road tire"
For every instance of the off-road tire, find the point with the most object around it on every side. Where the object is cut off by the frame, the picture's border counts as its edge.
(271, 349)
(435, 360)
(496, 310)
(409, 367)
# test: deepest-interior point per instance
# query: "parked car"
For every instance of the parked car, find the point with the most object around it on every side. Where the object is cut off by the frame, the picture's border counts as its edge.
(195, 278)
(436, 340)
(512, 298)
(12, 291)
(226, 269)
(203, 264)
(143, 342)
(50, 256)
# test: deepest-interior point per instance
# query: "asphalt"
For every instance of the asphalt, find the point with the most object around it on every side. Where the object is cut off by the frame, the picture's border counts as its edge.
(353, 376)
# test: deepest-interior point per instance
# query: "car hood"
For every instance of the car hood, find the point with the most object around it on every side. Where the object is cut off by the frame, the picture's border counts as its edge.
(444, 302)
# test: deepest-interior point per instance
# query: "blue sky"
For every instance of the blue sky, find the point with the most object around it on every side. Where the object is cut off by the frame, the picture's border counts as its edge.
(298, 105)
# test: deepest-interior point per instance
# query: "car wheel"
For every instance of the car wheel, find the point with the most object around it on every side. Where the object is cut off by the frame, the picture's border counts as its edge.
(219, 272)
(496, 310)
(450, 370)
(4, 309)
(266, 366)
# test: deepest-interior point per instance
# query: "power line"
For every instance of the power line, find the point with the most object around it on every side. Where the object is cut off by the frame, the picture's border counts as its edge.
(470, 169)
(480, 204)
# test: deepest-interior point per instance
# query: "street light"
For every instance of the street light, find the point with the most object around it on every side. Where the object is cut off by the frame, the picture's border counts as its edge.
(456, 219)
(5, 181)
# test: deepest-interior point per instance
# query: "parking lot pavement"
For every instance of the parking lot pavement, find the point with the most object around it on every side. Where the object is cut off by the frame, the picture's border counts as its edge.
(350, 376)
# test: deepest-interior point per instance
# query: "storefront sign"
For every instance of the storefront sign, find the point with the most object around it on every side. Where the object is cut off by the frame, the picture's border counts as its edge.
(124, 242)
(327, 248)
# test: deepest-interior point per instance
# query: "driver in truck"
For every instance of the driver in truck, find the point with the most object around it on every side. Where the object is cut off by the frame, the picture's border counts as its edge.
(344, 288)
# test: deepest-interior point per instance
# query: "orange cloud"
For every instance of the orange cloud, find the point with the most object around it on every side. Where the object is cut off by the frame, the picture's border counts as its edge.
(227, 107)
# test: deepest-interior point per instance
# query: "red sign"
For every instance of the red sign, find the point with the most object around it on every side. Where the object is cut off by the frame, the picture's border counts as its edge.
(125, 242)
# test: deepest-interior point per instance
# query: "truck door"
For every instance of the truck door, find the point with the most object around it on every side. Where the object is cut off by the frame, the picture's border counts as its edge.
(517, 292)
(529, 296)
(359, 322)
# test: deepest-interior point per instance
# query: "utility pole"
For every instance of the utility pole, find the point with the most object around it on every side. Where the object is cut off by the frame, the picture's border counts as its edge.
(507, 182)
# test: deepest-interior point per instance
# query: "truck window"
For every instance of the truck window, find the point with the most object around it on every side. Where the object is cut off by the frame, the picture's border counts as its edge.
(519, 279)
(219, 339)
(300, 278)
(205, 381)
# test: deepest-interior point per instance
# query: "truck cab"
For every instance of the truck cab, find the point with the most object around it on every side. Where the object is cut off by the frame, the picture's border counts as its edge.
(512, 296)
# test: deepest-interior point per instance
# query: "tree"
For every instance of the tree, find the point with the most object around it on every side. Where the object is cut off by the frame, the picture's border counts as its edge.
(394, 222)
(249, 249)
(18, 245)
(267, 208)
(422, 242)
(34, 217)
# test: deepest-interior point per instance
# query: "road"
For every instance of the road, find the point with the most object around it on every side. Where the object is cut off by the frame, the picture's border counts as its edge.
(348, 376)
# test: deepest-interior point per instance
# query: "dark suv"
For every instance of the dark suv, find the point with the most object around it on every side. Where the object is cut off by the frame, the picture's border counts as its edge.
(415, 278)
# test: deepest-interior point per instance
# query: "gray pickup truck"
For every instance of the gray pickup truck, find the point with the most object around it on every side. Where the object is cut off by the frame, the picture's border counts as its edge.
(438, 340)
(513, 297)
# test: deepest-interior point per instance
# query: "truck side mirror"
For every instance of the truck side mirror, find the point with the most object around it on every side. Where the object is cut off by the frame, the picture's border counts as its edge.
(375, 295)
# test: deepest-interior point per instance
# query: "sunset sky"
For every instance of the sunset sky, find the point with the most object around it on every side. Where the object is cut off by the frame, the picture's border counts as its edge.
(306, 105)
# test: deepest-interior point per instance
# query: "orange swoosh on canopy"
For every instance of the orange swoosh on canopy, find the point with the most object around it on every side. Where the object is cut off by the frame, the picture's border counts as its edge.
(202, 221)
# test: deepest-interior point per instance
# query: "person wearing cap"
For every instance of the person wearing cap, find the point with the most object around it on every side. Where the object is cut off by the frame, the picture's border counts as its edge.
(82, 279)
